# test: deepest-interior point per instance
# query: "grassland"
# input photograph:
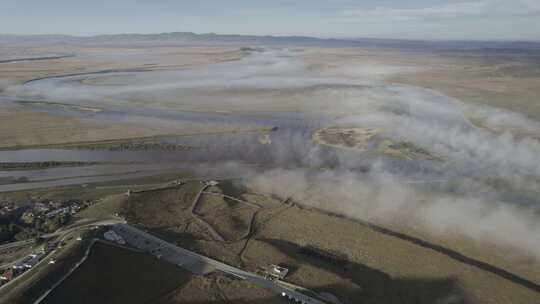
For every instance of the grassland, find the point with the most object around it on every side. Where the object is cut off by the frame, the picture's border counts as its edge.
(43, 130)
(382, 267)
(102, 57)
(369, 140)
(385, 262)
(357, 139)
(133, 277)
(507, 81)
(23, 127)
(114, 275)
(9, 166)
(64, 193)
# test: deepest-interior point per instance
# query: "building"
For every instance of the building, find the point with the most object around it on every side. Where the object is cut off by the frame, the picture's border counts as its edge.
(58, 211)
(277, 272)
(7, 275)
(41, 207)
(211, 183)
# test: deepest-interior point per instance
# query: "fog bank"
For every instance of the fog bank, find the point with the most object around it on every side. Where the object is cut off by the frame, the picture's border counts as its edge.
(485, 185)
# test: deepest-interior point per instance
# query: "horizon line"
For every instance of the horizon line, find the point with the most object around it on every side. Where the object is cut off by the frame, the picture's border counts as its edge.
(276, 36)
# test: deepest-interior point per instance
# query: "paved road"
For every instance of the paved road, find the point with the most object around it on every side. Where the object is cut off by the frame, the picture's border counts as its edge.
(33, 241)
(84, 224)
(35, 58)
(62, 231)
(233, 198)
(202, 265)
(17, 244)
(15, 262)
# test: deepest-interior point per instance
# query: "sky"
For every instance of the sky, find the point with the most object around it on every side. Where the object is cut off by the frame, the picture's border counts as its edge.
(412, 19)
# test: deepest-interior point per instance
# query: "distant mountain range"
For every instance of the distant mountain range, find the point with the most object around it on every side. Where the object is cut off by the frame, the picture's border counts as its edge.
(189, 38)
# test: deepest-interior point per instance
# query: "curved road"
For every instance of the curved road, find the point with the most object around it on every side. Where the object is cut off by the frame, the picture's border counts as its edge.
(200, 265)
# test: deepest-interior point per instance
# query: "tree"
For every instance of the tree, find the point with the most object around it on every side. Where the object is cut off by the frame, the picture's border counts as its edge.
(6, 233)
(27, 217)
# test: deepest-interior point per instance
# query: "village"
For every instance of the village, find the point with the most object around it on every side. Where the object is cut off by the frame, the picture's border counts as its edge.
(25, 224)
(22, 221)
(18, 268)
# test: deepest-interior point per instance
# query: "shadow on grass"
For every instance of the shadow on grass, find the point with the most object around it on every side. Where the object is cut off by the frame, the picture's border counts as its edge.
(115, 275)
(458, 257)
(183, 239)
(376, 286)
(514, 278)
(229, 187)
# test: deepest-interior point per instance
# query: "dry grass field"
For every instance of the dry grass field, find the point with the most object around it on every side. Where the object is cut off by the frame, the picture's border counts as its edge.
(21, 129)
(108, 57)
(22, 126)
(384, 264)
(312, 92)
(501, 80)
(114, 275)
(376, 262)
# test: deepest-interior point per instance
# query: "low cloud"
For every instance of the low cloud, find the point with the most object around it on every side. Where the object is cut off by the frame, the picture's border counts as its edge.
(478, 189)
(385, 197)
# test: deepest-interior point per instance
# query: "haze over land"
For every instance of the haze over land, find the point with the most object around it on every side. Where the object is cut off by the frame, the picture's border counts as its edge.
(436, 139)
